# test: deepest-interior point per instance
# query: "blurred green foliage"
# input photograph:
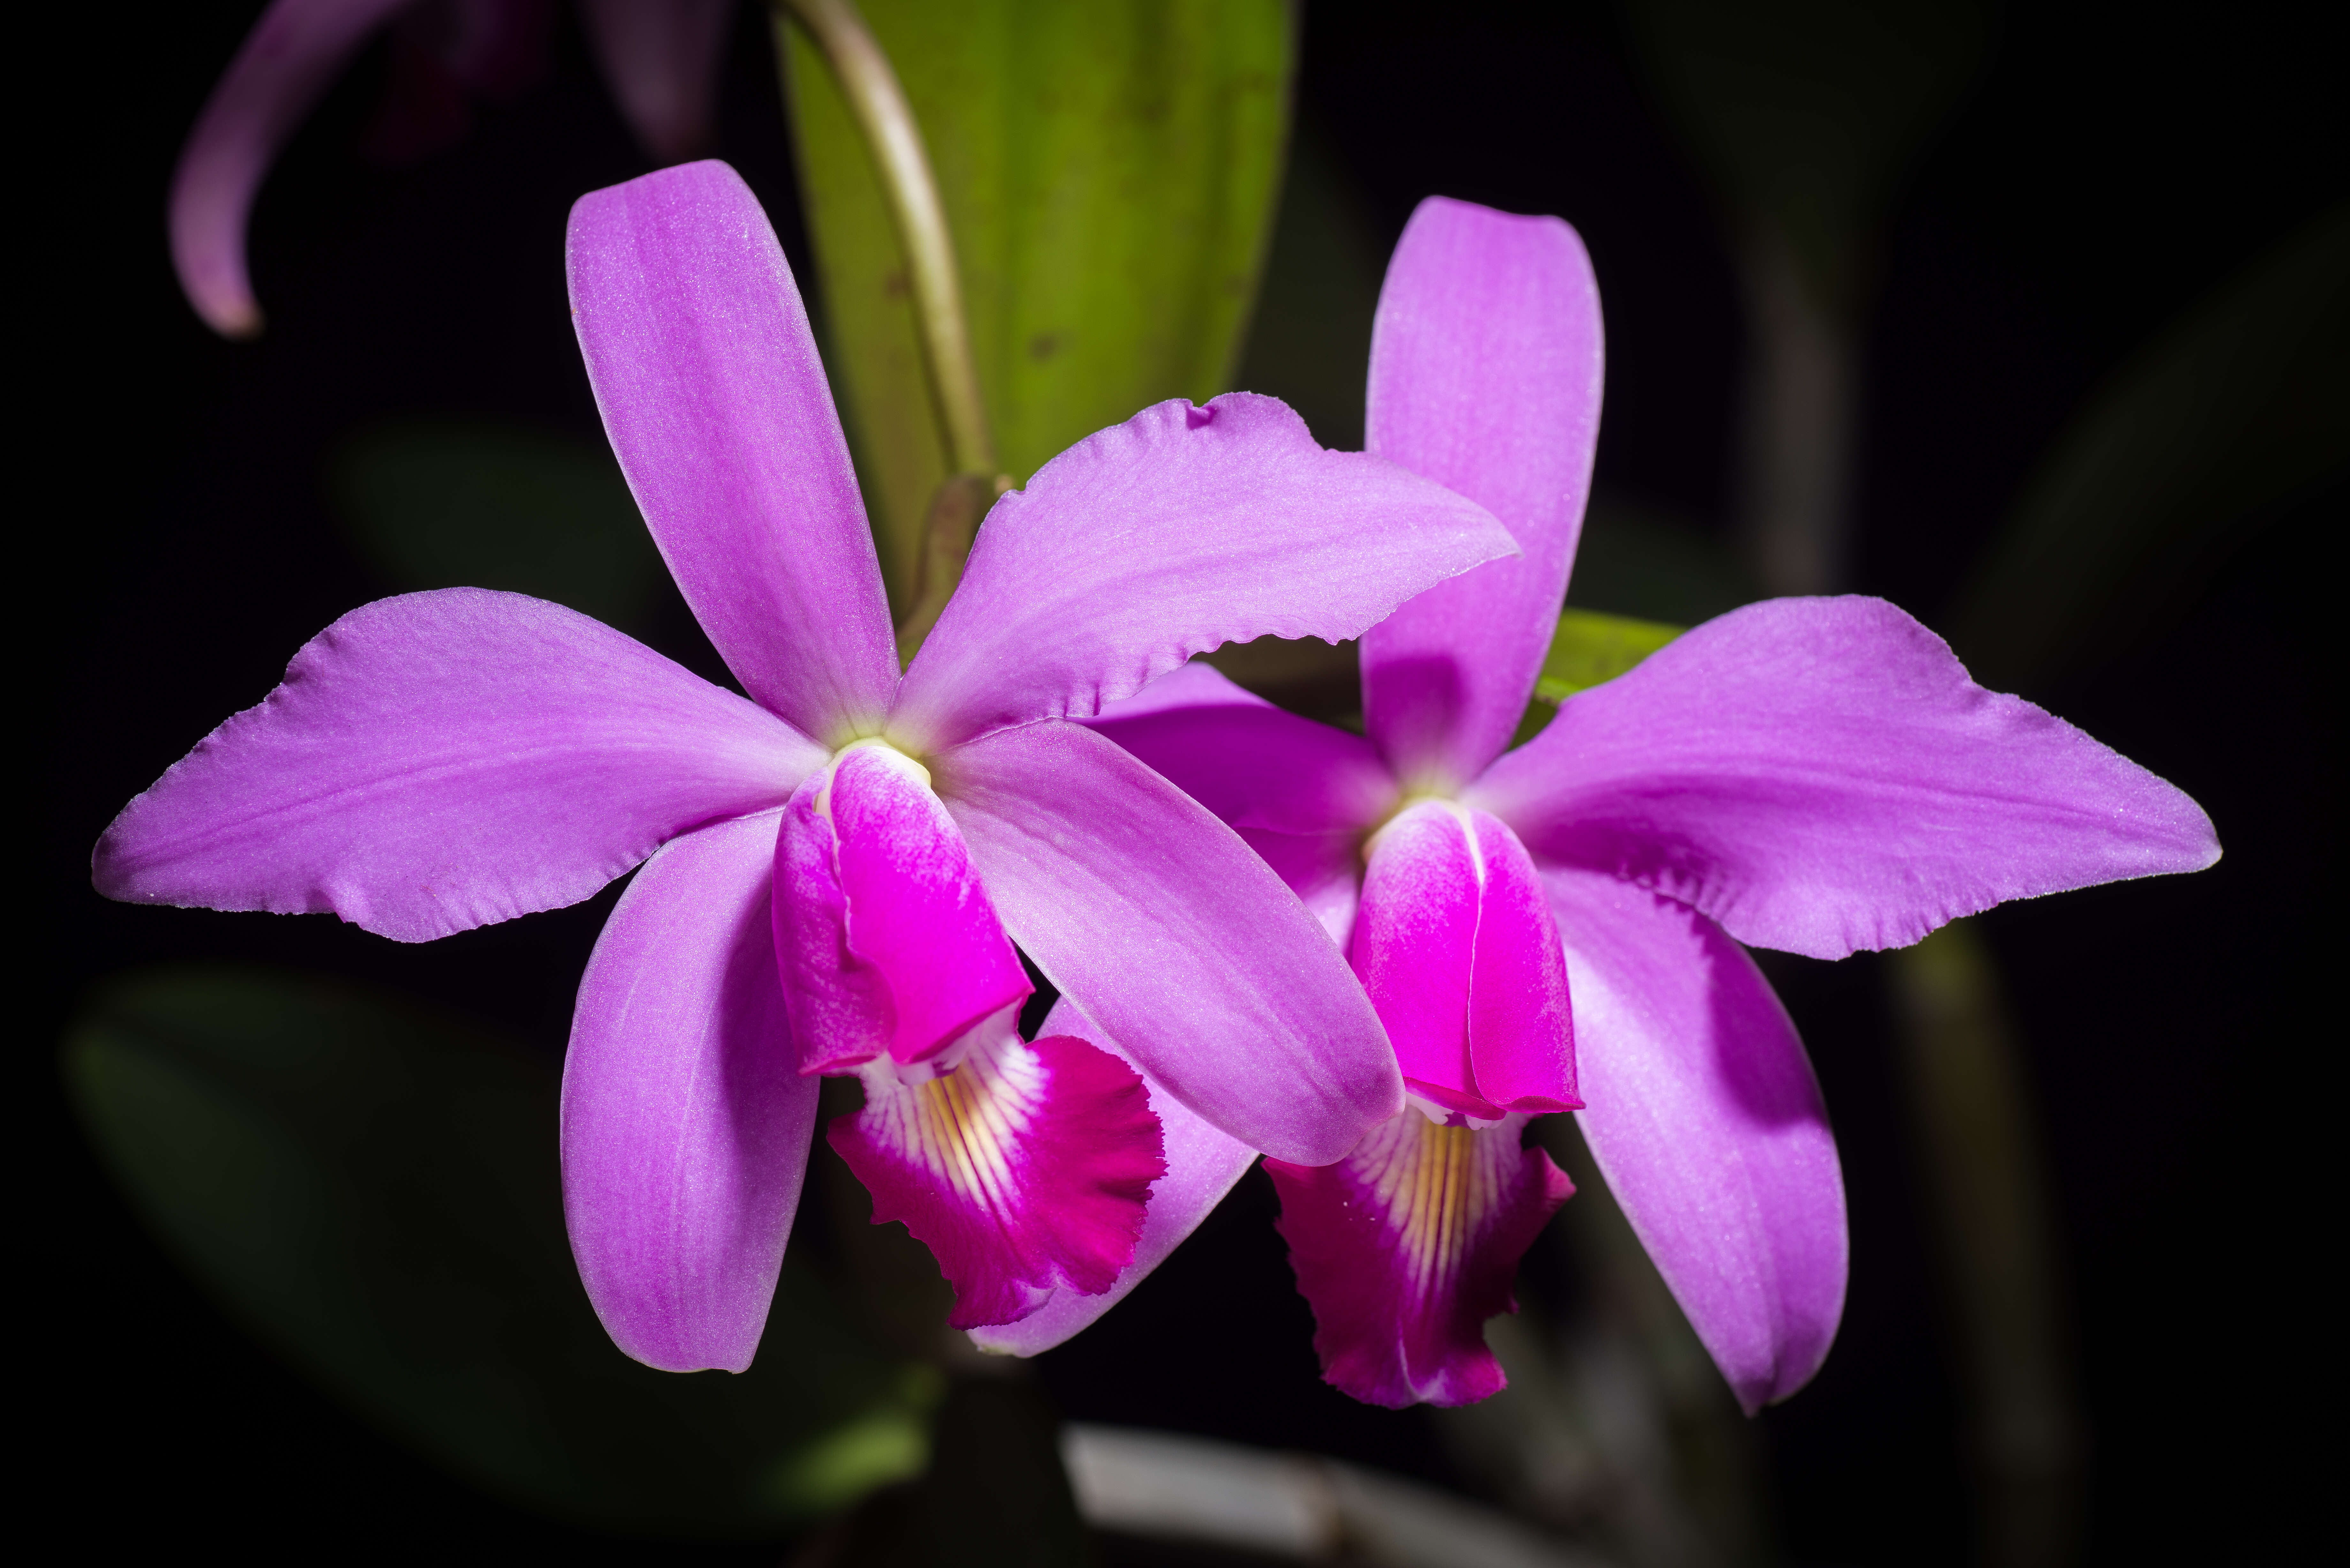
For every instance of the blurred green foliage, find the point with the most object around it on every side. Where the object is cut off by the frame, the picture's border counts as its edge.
(1589, 648)
(997, 1494)
(445, 503)
(1108, 172)
(373, 1189)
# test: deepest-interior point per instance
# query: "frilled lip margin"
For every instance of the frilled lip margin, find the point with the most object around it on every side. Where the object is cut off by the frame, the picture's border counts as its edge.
(1408, 1245)
(1024, 1168)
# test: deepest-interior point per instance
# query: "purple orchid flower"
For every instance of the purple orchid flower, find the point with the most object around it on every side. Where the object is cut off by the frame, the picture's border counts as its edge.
(660, 57)
(835, 870)
(1817, 775)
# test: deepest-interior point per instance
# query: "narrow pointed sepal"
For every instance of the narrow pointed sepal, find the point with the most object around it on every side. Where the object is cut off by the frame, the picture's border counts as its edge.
(285, 65)
(685, 1125)
(1023, 1168)
(661, 60)
(1408, 1245)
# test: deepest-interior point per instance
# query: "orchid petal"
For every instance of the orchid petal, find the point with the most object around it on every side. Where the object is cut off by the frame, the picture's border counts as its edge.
(1174, 937)
(1324, 870)
(281, 70)
(886, 939)
(446, 760)
(1300, 794)
(1415, 946)
(1202, 1165)
(1252, 764)
(1521, 1027)
(1024, 1169)
(1456, 948)
(1486, 362)
(685, 1120)
(661, 58)
(706, 373)
(1195, 684)
(1820, 775)
(1408, 1245)
(1707, 1123)
(1181, 529)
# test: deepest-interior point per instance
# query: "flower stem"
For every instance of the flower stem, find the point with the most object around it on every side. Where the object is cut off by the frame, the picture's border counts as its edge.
(879, 106)
(1971, 1097)
(956, 511)
(1799, 418)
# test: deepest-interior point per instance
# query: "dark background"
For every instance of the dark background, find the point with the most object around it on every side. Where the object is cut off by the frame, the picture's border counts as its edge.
(2106, 170)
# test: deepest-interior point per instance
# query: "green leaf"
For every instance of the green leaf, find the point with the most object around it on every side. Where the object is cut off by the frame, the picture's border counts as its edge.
(2240, 406)
(445, 503)
(1309, 343)
(1587, 648)
(1108, 171)
(1590, 648)
(372, 1189)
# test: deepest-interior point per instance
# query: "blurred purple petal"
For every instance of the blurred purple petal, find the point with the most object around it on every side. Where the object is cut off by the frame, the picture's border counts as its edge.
(444, 52)
(661, 58)
(1705, 1119)
(1408, 1245)
(703, 365)
(1820, 775)
(444, 761)
(1486, 377)
(886, 937)
(1023, 1169)
(1179, 530)
(282, 69)
(685, 1118)
(1157, 921)
(1202, 1165)
(494, 48)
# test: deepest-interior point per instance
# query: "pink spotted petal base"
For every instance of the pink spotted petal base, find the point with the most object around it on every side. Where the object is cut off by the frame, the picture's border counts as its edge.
(1408, 1245)
(1024, 1167)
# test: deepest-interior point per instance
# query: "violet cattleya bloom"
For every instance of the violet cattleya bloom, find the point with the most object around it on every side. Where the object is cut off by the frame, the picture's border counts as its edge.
(1815, 774)
(660, 57)
(834, 870)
